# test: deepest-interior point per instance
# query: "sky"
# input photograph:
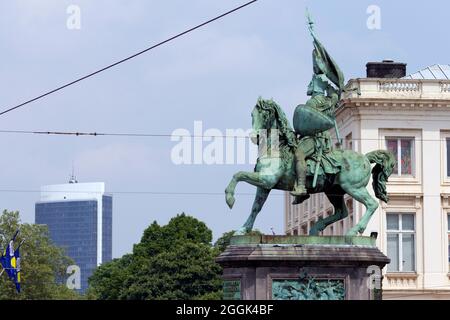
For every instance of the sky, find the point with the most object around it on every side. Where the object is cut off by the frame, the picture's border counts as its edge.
(214, 75)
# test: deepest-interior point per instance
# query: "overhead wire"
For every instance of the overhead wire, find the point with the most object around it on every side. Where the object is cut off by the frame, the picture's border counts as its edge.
(20, 105)
(166, 135)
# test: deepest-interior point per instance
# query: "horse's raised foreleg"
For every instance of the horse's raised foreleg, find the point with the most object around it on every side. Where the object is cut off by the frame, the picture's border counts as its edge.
(363, 196)
(340, 212)
(257, 179)
(260, 199)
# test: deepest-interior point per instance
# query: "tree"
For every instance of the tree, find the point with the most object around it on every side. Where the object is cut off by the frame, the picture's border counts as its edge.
(41, 262)
(175, 261)
(108, 280)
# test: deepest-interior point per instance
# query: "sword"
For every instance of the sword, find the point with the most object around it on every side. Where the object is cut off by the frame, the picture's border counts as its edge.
(316, 172)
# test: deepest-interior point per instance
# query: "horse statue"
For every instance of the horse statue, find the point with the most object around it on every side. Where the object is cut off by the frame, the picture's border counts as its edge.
(336, 172)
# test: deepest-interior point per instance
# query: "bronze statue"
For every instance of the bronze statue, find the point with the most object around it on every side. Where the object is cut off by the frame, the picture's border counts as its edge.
(304, 161)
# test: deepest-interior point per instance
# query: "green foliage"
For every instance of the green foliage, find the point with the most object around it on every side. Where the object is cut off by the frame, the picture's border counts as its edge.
(41, 262)
(175, 261)
(108, 280)
(224, 241)
(179, 230)
(215, 295)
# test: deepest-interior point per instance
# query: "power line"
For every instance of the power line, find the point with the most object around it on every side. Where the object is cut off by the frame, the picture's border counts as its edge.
(127, 58)
(165, 135)
(175, 193)
(143, 192)
(117, 134)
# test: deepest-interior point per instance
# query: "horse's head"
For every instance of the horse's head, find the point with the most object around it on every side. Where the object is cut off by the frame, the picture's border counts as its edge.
(263, 119)
(267, 115)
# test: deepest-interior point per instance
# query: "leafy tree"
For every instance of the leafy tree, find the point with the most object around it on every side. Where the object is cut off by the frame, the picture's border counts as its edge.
(185, 272)
(175, 261)
(180, 229)
(41, 262)
(108, 280)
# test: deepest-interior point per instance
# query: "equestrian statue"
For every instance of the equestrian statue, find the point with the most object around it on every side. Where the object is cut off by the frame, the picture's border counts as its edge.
(302, 159)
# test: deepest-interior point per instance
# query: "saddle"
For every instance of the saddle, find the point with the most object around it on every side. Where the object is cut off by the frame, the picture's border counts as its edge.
(327, 165)
(324, 156)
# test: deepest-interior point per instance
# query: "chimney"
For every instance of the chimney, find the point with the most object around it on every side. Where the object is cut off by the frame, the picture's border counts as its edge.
(386, 69)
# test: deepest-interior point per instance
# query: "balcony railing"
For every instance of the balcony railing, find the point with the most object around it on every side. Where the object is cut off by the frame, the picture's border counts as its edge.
(375, 88)
(399, 281)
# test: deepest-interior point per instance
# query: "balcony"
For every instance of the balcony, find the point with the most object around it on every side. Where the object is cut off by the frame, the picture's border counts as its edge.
(376, 88)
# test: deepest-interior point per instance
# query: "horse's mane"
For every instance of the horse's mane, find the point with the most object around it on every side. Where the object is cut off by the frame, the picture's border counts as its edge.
(284, 125)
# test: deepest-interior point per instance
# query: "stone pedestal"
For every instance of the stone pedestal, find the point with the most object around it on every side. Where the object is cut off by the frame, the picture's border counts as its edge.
(302, 268)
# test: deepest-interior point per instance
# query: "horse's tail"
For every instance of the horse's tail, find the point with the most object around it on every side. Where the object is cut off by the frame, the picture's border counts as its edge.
(385, 162)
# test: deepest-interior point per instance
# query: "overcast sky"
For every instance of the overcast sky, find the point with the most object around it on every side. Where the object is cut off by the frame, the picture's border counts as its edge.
(212, 75)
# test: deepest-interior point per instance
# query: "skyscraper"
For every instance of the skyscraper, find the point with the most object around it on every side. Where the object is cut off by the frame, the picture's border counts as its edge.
(79, 219)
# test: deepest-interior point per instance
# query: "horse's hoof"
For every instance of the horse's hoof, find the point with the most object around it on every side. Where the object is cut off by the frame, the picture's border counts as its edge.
(230, 200)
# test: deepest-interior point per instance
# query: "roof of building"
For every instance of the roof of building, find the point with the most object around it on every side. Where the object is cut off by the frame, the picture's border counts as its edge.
(436, 71)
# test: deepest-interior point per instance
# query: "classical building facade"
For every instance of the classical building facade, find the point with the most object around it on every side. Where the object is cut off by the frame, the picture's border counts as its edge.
(411, 117)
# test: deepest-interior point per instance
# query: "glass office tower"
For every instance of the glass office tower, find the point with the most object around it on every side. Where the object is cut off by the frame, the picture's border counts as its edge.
(79, 219)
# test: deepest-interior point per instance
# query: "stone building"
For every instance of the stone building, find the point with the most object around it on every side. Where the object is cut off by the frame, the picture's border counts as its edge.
(409, 115)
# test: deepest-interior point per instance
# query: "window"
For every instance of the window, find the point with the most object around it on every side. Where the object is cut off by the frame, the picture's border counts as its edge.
(295, 232)
(448, 156)
(304, 229)
(349, 142)
(403, 149)
(401, 242)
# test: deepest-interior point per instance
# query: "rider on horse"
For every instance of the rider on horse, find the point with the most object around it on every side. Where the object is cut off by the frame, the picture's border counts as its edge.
(336, 172)
(316, 117)
(311, 122)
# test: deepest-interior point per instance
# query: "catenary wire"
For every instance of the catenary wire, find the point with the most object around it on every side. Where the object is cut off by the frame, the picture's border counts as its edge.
(125, 59)
(143, 192)
(161, 135)
(169, 193)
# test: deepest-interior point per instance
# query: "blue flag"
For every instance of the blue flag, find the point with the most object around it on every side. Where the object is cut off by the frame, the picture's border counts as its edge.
(15, 263)
(10, 261)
